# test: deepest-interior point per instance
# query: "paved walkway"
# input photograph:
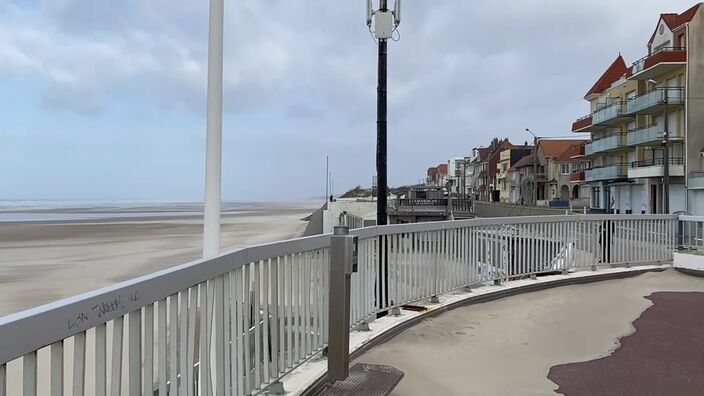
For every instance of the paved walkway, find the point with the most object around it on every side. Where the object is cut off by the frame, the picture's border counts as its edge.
(508, 346)
(665, 355)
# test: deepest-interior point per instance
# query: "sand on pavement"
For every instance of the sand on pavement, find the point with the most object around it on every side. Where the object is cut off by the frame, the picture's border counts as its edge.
(507, 347)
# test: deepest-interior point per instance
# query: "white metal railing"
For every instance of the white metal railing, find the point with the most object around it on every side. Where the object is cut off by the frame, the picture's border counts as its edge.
(690, 234)
(351, 221)
(238, 322)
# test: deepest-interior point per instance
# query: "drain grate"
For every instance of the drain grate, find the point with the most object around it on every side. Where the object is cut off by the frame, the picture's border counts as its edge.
(366, 379)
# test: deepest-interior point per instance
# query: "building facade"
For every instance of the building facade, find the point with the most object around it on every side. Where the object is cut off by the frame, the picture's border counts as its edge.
(508, 158)
(634, 108)
(520, 177)
(557, 159)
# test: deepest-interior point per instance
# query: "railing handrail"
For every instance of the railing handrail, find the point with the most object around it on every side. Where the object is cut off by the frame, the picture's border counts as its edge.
(50, 322)
(605, 106)
(662, 49)
(608, 136)
(641, 128)
(608, 166)
(656, 89)
(657, 161)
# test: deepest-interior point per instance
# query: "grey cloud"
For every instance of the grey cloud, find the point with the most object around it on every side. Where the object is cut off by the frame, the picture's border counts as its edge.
(461, 73)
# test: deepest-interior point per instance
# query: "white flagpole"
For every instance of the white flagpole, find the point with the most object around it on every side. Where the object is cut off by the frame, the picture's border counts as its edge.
(213, 156)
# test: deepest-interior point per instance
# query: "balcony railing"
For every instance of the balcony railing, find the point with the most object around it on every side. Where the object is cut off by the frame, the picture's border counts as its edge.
(610, 113)
(608, 143)
(654, 168)
(656, 162)
(582, 124)
(577, 175)
(252, 315)
(616, 171)
(648, 134)
(661, 55)
(653, 101)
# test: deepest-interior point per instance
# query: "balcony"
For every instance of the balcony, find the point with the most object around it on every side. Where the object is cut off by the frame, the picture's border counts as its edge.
(696, 180)
(653, 102)
(577, 176)
(610, 143)
(609, 172)
(583, 124)
(611, 114)
(658, 62)
(646, 135)
(654, 167)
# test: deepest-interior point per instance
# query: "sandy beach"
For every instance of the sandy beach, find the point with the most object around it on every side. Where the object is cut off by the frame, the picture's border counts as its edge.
(94, 246)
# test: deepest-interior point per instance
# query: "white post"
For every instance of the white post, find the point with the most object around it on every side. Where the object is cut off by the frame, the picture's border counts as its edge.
(213, 156)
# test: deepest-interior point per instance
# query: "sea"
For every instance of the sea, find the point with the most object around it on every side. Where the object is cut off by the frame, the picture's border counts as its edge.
(50, 210)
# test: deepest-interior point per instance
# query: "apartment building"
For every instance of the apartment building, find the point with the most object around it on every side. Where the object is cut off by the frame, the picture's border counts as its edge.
(634, 108)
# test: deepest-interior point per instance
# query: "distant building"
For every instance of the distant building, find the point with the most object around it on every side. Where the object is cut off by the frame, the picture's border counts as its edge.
(495, 149)
(437, 175)
(520, 177)
(555, 157)
(479, 181)
(507, 158)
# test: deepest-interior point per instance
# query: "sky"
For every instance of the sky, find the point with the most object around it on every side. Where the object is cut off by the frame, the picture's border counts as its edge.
(106, 99)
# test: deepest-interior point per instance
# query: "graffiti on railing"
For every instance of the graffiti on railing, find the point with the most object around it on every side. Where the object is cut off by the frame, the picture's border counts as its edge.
(102, 308)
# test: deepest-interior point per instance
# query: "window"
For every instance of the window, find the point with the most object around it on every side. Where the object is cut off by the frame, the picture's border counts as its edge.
(577, 167)
(565, 169)
(596, 196)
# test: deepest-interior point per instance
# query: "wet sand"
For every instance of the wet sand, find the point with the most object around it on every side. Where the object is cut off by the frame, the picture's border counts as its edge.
(41, 261)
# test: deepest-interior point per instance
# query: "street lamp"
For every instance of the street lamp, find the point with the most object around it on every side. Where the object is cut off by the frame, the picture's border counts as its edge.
(385, 22)
(535, 167)
(665, 150)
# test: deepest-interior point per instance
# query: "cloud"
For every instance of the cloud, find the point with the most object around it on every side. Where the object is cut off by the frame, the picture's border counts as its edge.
(302, 74)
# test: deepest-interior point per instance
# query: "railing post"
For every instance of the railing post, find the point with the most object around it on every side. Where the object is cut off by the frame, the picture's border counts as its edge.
(343, 261)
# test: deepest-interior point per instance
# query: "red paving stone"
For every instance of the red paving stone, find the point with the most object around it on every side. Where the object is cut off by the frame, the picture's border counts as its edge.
(665, 355)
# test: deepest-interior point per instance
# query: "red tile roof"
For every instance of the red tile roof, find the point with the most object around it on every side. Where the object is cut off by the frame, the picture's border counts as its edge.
(674, 20)
(572, 151)
(482, 153)
(555, 147)
(442, 169)
(617, 70)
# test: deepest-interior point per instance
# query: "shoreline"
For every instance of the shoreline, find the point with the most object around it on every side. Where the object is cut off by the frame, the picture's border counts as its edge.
(42, 261)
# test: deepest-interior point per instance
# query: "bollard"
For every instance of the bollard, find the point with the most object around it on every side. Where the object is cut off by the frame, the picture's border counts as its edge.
(343, 261)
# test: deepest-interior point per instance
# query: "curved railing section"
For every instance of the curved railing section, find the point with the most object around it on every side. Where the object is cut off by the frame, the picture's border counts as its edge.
(237, 323)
